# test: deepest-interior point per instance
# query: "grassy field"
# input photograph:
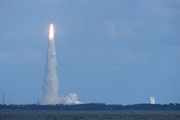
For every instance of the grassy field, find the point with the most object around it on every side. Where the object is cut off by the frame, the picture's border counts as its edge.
(88, 115)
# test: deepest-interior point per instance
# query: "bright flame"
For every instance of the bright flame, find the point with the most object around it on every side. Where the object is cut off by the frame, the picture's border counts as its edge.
(51, 32)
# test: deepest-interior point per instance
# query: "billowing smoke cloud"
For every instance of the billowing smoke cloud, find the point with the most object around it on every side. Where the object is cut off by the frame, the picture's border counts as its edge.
(70, 99)
(51, 83)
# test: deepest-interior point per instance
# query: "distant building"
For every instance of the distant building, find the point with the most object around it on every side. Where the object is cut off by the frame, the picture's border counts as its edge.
(152, 100)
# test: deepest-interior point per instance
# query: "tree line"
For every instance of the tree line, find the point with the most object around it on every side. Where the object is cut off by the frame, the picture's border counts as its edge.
(94, 106)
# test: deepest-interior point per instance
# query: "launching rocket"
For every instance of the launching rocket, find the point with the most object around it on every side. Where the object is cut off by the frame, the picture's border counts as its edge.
(51, 82)
(51, 32)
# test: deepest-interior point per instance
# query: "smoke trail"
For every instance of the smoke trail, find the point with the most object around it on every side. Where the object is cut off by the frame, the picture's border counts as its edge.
(51, 84)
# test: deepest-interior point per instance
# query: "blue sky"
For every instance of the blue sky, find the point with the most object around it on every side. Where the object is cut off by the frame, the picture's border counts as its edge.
(111, 51)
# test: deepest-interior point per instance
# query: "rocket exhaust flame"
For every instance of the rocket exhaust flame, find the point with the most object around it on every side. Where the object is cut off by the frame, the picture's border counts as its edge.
(51, 83)
(51, 32)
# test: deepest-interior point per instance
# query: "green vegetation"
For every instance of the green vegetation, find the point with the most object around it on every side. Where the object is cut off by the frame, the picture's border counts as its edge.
(95, 106)
(88, 115)
(94, 111)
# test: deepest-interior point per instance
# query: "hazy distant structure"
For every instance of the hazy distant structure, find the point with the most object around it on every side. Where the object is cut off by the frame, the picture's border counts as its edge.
(51, 83)
(152, 100)
(3, 98)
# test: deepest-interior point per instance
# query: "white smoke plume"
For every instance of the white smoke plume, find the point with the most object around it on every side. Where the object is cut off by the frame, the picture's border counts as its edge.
(70, 99)
(51, 83)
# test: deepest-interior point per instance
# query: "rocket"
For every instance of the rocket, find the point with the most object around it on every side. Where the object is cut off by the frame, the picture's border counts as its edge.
(51, 33)
(51, 83)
